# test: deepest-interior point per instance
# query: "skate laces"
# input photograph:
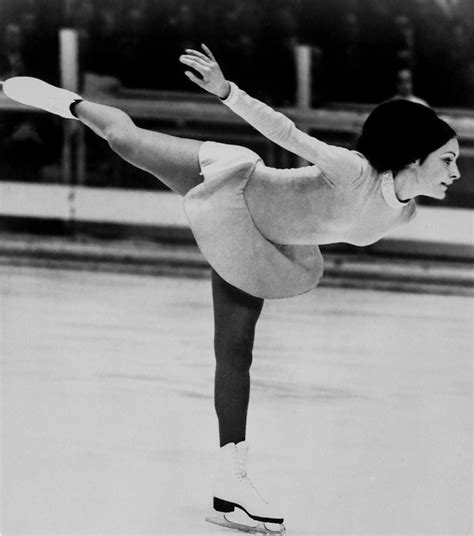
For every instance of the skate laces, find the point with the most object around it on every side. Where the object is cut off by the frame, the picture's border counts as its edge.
(241, 472)
(245, 480)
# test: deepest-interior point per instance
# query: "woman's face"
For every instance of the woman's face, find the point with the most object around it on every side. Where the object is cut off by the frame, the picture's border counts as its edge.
(439, 170)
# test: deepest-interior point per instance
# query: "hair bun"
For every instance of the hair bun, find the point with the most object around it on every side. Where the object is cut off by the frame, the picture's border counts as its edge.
(399, 132)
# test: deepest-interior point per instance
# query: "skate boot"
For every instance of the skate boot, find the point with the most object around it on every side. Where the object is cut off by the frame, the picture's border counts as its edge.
(39, 94)
(233, 489)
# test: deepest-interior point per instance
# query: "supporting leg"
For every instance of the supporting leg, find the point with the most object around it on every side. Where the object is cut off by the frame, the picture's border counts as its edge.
(235, 317)
(173, 160)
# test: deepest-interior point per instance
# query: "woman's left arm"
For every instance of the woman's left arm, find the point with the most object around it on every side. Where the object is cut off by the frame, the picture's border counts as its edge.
(337, 163)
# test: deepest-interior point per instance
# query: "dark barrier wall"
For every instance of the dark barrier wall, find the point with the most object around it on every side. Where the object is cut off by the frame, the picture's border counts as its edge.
(360, 45)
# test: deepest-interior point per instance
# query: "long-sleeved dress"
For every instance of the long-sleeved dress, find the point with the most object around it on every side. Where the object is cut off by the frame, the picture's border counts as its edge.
(260, 227)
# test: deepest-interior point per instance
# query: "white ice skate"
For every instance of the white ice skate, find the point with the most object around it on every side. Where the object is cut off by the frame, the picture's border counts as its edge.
(233, 489)
(39, 94)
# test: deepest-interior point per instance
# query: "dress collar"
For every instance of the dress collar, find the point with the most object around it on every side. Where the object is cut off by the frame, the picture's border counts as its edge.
(388, 191)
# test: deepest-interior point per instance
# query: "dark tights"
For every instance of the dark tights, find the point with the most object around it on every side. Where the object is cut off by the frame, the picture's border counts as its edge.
(175, 161)
(235, 316)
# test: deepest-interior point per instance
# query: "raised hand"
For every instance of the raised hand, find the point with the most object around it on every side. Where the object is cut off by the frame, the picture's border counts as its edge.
(212, 78)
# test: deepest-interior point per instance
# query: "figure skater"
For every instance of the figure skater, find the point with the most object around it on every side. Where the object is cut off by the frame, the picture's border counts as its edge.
(259, 227)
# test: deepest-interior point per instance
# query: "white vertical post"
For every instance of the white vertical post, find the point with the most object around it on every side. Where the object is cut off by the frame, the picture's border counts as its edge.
(69, 78)
(303, 82)
(303, 77)
(69, 58)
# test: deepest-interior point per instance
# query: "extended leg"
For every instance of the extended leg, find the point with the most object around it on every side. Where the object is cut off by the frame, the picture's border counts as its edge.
(235, 316)
(173, 160)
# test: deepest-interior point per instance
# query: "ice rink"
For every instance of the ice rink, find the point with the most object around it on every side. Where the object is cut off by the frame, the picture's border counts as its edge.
(359, 424)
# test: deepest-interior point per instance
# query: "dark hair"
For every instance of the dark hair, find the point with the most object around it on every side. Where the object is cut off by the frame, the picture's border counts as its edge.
(399, 132)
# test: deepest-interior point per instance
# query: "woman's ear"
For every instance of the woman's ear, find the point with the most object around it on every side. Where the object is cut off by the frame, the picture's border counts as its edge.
(414, 164)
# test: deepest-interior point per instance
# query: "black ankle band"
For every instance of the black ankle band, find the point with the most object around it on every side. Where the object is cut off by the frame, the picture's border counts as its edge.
(72, 107)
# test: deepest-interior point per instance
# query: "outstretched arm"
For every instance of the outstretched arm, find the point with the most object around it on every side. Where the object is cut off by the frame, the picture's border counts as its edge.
(338, 164)
(212, 78)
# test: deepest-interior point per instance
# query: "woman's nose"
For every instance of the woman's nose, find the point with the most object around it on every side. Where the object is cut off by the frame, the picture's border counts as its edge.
(455, 175)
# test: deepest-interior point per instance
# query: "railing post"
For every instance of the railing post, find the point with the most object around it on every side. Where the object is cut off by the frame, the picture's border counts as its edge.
(303, 77)
(69, 78)
(69, 58)
(303, 82)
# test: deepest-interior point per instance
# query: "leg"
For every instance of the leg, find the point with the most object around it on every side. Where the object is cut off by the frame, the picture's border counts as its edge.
(235, 316)
(174, 161)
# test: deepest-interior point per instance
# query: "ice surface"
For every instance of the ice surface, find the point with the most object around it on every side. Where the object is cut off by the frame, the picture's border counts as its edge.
(360, 416)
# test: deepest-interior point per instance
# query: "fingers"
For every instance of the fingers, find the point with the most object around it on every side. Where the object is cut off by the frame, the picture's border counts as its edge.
(208, 51)
(194, 78)
(208, 56)
(196, 60)
(196, 63)
(197, 54)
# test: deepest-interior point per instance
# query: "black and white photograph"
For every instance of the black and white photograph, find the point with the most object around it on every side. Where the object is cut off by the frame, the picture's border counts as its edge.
(236, 267)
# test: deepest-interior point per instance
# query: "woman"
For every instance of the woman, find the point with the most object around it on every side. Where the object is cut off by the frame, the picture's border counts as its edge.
(260, 227)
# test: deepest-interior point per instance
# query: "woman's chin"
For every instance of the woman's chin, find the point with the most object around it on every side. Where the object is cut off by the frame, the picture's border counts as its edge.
(436, 195)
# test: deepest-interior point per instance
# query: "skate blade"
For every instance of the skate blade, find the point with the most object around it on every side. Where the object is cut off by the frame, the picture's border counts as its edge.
(219, 518)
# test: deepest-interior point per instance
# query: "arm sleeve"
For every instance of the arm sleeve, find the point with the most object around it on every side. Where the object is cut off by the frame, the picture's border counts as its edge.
(339, 165)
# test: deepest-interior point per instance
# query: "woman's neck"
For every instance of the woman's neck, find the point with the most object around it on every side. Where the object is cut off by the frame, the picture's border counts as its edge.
(404, 185)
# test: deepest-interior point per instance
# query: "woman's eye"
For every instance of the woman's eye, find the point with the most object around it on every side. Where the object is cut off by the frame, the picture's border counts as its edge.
(448, 161)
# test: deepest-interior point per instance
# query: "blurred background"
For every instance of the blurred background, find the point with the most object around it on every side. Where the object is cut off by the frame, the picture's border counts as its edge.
(325, 63)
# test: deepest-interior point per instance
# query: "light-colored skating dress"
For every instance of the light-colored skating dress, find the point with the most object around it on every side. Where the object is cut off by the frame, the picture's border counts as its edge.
(260, 227)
